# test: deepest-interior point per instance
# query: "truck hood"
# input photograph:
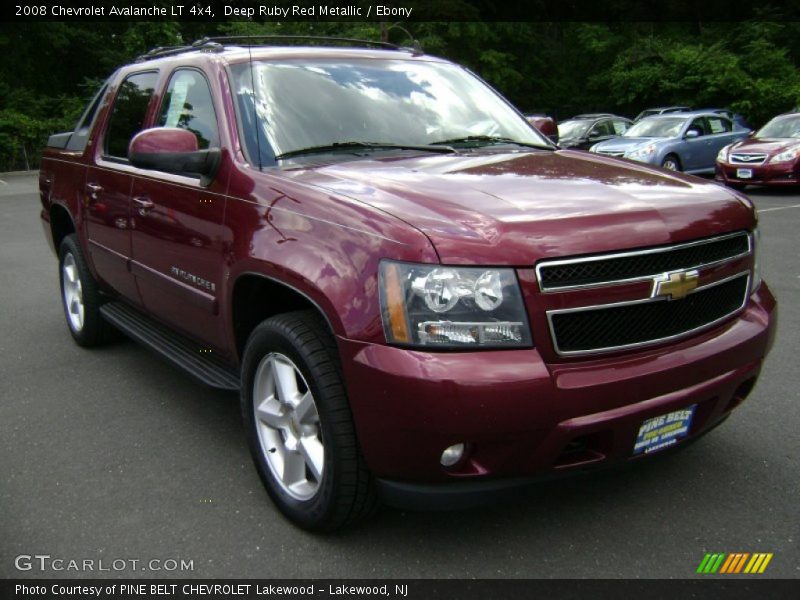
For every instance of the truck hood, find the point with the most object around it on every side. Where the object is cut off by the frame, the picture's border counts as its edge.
(513, 208)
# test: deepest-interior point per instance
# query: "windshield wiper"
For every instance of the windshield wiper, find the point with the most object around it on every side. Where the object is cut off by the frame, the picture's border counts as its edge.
(491, 139)
(441, 149)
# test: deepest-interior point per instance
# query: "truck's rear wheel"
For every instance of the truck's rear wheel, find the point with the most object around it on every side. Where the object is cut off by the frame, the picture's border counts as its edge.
(80, 296)
(299, 425)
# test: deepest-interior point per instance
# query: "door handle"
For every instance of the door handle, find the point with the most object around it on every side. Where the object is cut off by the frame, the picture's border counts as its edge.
(94, 190)
(144, 204)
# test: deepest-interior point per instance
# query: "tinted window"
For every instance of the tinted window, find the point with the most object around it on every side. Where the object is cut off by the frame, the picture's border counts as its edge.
(188, 105)
(718, 125)
(80, 135)
(602, 128)
(129, 111)
(698, 125)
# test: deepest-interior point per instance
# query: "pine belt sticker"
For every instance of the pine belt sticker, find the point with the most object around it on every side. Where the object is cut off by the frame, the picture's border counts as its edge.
(663, 431)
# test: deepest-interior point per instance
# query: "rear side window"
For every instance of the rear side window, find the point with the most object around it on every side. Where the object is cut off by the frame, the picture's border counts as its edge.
(718, 125)
(127, 116)
(188, 105)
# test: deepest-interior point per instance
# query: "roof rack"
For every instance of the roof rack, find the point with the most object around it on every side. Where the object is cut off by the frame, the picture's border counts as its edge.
(285, 38)
(160, 51)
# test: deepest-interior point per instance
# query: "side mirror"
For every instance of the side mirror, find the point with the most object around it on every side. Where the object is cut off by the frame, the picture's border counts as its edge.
(173, 150)
(751, 133)
(692, 133)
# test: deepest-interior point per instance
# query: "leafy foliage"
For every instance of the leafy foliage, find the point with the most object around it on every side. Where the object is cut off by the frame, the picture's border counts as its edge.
(557, 68)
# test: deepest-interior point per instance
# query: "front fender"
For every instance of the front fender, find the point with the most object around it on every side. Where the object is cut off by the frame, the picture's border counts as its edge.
(327, 248)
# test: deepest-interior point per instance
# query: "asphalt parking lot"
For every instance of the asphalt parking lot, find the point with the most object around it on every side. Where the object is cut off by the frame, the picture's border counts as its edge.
(112, 454)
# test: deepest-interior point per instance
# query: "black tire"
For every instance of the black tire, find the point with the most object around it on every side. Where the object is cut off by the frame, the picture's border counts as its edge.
(94, 330)
(669, 160)
(345, 492)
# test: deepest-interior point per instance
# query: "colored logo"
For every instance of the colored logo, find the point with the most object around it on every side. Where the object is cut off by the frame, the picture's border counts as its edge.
(675, 285)
(736, 562)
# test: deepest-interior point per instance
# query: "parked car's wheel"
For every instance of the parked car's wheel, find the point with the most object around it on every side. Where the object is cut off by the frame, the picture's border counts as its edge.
(81, 296)
(299, 425)
(671, 162)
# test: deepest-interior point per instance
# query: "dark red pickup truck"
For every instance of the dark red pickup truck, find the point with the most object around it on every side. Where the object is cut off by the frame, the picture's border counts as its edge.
(419, 297)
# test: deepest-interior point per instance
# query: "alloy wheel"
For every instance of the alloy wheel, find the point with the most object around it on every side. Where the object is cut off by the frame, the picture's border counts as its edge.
(287, 422)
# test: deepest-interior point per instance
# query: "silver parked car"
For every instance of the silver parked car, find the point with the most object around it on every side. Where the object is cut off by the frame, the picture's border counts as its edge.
(687, 141)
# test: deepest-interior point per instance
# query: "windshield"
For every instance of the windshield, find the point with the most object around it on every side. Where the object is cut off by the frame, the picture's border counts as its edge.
(572, 129)
(317, 103)
(781, 127)
(665, 127)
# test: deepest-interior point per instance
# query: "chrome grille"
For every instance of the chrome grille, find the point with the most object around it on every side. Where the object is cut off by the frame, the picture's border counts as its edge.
(611, 269)
(741, 158)
(639, 323)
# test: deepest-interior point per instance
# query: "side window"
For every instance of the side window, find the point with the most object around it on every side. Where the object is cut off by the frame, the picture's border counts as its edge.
(601, 128)
(79, 137)
(127, 116)
(698, 125)
(620, 127)
(188, 105)
(719, 125)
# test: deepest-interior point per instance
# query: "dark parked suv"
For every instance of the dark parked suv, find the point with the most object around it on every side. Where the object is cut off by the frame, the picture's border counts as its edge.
(584, 131)
(418, 296)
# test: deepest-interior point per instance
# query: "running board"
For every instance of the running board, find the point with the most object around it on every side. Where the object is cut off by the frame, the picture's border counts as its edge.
(180, 351)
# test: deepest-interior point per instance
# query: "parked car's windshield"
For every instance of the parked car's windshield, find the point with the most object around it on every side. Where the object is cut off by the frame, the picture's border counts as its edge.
(661, 127)
(573, 129)
(315, 103)
(781, 127)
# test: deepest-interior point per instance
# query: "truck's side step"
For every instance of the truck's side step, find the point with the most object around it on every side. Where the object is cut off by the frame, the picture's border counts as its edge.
(182, 352)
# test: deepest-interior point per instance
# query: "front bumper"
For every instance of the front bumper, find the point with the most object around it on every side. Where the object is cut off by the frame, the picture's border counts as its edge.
(765, 174)
(523, 418)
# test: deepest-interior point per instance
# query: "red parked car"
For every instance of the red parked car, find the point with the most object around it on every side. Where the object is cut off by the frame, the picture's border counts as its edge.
(418, 297)
(546, 125)
(771, 156)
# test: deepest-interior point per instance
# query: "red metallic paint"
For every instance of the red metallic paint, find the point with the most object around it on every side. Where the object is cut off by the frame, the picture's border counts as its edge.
(163, 139)
(323, 230)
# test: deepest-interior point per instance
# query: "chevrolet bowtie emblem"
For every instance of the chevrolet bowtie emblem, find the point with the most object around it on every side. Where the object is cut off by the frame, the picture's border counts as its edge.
(675, 285)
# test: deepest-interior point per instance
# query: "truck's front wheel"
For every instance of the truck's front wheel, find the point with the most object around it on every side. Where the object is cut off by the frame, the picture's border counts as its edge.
(80, 296)
(299, 424)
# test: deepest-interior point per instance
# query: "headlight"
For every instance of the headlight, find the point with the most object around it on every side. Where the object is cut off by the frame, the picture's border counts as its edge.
(452, 307)
(786, 155)
(756, 261)
(723, 154)
(641, 152)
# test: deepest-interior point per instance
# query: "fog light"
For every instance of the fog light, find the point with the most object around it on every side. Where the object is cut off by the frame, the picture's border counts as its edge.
(452, 455)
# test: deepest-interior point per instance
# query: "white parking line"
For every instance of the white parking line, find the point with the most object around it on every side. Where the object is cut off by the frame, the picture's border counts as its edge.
(763, 210)
(3, 182)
